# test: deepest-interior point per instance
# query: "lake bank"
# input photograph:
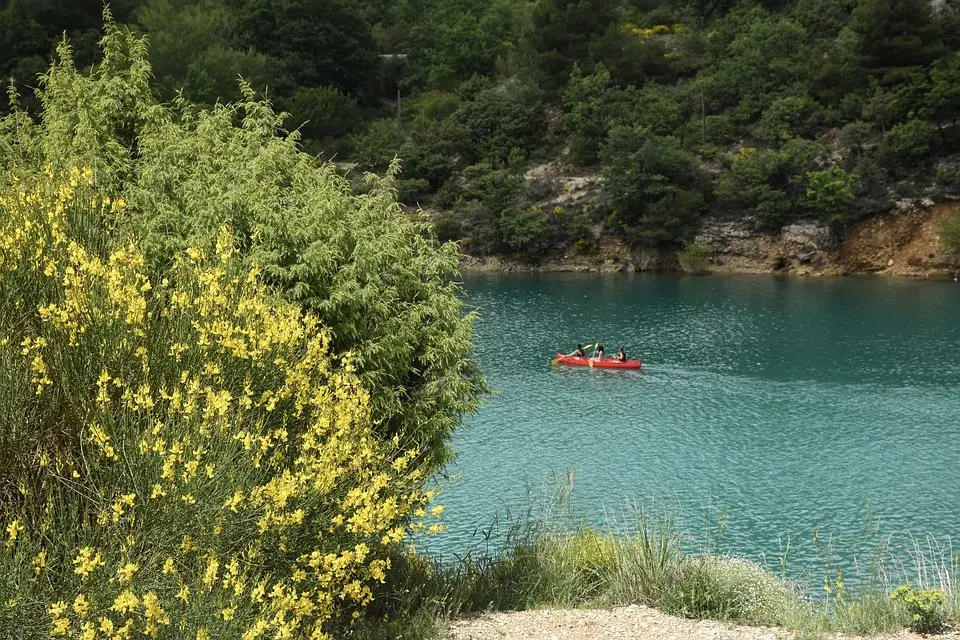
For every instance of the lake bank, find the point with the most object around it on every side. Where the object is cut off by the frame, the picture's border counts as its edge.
(903, 242)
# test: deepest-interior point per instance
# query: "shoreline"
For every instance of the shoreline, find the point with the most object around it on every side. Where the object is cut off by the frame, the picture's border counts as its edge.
(472, 265)
(901, 243)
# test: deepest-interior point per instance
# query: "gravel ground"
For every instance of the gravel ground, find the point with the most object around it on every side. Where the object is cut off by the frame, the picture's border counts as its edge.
(635, 622)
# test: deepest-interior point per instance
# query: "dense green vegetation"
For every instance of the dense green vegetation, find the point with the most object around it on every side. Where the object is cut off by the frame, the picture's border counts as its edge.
(545, 564)
(225, 378)
(769, 109)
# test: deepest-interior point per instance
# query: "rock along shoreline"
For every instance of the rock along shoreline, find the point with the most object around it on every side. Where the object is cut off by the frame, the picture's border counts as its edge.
(904, 242)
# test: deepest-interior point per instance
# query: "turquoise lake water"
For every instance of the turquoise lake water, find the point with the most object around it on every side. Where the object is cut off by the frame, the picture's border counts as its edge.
(789, 405)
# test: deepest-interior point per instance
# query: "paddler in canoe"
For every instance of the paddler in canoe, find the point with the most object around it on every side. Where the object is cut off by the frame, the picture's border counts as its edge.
(578, 352)
(598, 352)
(621, 355)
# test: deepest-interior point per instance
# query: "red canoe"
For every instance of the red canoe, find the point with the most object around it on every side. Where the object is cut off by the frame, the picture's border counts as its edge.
(597, 363)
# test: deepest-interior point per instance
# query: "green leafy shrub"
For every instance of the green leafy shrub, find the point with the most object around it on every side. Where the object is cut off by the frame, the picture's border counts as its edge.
(927, 607)
(224, 378)
(377, 145)
(525, 230)
(368, 272)
(727, 589)
(950, 233)
(501, 120)
(656, 187)
(323, 112)
(693, 258)
(911, 140)
(180, 441)
(447, 227)
(830, 193)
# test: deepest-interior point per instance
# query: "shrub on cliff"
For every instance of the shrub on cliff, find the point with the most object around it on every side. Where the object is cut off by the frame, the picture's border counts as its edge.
(373, 277)
(656, 187)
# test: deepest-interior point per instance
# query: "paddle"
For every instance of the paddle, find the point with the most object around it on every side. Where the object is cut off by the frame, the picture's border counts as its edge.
(556, 360)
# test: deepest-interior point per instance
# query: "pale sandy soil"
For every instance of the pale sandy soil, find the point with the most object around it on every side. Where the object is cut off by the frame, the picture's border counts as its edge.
(634, 622)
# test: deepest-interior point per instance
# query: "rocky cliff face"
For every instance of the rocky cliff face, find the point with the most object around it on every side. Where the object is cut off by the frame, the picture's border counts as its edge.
(902, 242)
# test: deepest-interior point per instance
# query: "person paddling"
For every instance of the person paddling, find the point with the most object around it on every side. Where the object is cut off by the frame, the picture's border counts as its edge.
(578, 352)
(621, 355)
(598, 352)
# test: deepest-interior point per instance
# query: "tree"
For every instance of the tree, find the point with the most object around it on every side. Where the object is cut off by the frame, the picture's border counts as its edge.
(657, 188)
(772, 184)
(323, 112)
(502, 122)
(588, 104)
(942, 101)
(911, 140)
(897, 37)
(190, 50)
(315, 43)
(561, 33)
(767, 59)
(830, 193)
(787, 117)
(457, 39)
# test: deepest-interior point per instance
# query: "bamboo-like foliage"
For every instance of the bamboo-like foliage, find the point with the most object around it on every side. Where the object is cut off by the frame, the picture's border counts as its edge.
(375, 278)
(224, 379)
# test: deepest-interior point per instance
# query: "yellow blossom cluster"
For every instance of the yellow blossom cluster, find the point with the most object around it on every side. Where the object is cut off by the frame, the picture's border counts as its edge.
(649, 32)
(203, 467)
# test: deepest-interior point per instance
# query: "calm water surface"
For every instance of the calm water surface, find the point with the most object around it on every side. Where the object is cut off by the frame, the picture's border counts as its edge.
(788, 404)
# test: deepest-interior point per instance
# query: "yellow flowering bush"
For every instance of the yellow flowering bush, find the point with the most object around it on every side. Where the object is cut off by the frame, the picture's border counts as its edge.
(177, 175)
(182, 456)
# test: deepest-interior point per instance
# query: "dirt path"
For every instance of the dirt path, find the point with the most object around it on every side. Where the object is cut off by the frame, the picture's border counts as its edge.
(635, 622)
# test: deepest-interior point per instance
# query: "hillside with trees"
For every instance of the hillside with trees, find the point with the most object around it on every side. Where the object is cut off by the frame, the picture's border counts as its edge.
(769, 111)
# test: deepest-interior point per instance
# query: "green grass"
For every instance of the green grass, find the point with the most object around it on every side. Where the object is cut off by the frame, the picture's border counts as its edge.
(646, 564)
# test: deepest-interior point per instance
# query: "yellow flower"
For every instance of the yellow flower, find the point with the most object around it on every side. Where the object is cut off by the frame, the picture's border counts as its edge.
(40, 562)
(13, 530)
(184, 593)
(126, 602)
(57, 609)
(87, 562)
(228, 613)
(81, 605)
(106, 625)
(152, 609)
(125, 573)
(169, 568)
(88, 631)
(210, 574)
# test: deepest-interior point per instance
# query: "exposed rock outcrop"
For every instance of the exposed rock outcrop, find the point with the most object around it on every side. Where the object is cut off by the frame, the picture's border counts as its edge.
(902, 242)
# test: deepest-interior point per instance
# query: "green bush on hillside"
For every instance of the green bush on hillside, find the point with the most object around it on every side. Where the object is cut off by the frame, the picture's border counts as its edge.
(656, 187)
